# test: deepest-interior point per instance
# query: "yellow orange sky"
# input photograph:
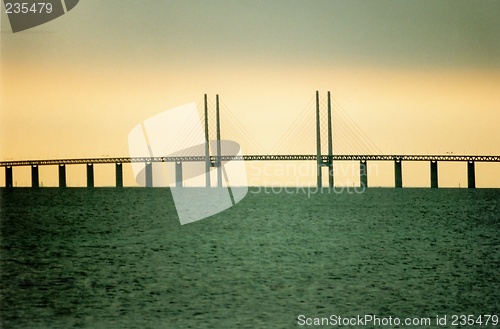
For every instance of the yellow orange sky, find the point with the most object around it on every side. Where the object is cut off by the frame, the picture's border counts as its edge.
(418, 77)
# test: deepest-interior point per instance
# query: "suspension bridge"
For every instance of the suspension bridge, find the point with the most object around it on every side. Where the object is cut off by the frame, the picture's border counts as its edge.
(323, 125)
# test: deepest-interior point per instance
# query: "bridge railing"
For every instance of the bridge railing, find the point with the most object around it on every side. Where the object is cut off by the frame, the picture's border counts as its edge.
(269, 157)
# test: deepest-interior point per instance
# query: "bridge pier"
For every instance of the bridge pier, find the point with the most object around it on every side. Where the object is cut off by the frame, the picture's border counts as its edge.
(62, 175)
(363, 174)
(471, 174)
(90, 175)
(208, 165)
(119, 174)
(319, 181)
(434, 174)
(8, 177)
(178, 174)
(35, 181)
(330, 174)
(149, 174)
(398, 173)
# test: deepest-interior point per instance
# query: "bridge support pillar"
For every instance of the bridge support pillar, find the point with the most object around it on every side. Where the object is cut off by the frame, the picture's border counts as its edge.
(398, 173)
(178, 174)
(149, 174)
(319, 180)
(90, 175)
(330, 174)
(35, 181)
(434, 174)
(119, 174)
(208, 165)
(8, 177)
(471, 174)
(363, 174)
(62, 175)
(219, 172)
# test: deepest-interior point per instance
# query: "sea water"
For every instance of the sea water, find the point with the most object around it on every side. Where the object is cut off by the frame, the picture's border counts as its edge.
(118, 258)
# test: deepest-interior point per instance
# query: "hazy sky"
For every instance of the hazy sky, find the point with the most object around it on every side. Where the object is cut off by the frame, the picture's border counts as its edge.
(416, 76)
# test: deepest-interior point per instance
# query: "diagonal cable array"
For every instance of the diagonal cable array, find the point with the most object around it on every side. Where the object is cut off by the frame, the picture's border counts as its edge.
(190, 128)
(299, 137)
(354, 140)
(233, 129)
(347, 136)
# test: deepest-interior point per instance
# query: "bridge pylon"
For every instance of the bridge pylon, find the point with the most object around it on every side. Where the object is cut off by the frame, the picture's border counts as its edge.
(208, 162)
(319, 159)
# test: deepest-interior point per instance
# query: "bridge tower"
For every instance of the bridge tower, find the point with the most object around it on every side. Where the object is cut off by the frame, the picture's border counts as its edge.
(208, 162)
(319, 159)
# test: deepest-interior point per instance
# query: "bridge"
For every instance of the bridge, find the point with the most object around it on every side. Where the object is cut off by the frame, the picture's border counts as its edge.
(322, 160)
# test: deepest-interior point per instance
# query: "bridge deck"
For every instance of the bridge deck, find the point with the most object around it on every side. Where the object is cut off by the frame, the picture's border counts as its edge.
(309, 157)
